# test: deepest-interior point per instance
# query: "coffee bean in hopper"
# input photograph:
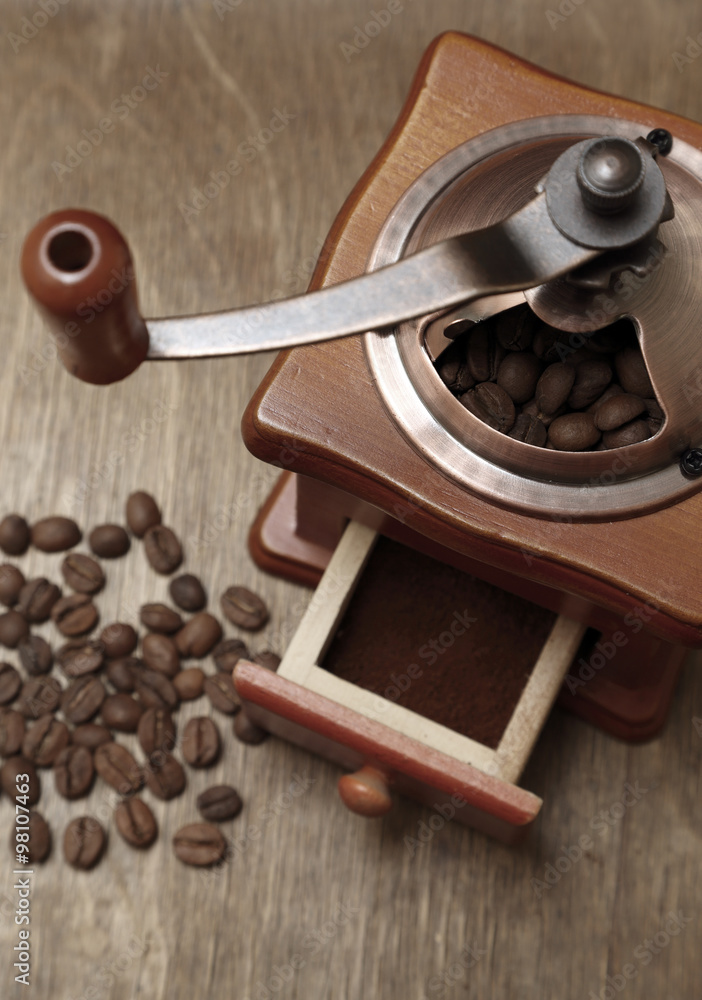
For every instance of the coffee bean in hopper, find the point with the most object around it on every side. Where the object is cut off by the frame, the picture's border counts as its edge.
(617, 410)
(14, 535)
(491, 404)
(84, 842)
(55, 534)
(632, 372)
(518, 375)
(199, 844)
(109, 541)
(11, 583)
(142, 513)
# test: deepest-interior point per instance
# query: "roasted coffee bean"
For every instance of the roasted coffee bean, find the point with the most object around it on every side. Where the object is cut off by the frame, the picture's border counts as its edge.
(631, 433)
(452, 368)
(83, 573)
(109, 541)
(491, 404)
(55, 534)
(266, 658)
(244, 608)
(515, 328)
(117, 767)
(156, 731)
(529, 430)
(36, 655)
(518, 375)
(83, 842)
(532, 409)
(199, 635)
(160, 618)
(199, 844)
(121, 712)
(121, 673)
(591, 380)
(222, 694)
(165, 777)
(155, 690)
(484, 353)
(12, 730)
(136, 823)
(163, 549)
(45, 740)
(14, 535)
(632, 372)
(219, 803)
(91, 735)
(201, 742)
(617, 410)
(119, 640)
(39, 695)
(10, 683)
(227, 654)
(553, 387)
(81, 656)
(39, 843)
(573, 432)
(37, 598)
(613, 389)
(11, 583)
(246, 730)
(74, 771)
(187, 592)
(19, 777)
(550, 344)
(655, 416)
(142, 513)
(13, 628)
(82, 699)
(576, 357)
(74, 615)
(189, 683)
(160, 653)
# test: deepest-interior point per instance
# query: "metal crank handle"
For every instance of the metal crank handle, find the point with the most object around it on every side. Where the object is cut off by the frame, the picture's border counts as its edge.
(78, 268)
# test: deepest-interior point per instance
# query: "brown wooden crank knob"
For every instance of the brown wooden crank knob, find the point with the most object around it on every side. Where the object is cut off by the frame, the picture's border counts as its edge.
(366, 792)
(78, 268)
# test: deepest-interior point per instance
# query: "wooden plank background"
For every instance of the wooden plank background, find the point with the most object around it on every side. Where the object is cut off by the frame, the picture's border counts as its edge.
(366, 916)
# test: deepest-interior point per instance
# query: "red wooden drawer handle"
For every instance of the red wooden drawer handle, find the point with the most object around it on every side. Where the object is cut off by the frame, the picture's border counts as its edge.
(366, 792)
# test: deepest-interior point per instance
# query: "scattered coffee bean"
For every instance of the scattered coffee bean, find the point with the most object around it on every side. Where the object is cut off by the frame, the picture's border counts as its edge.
(573, 432)
(631, 433)
(165, 777)
(491, 404)
(160, 618)
(74, 615)
(156, 731)
(136, 823)
(155, 690)
(617, 410)
(44, 741)
(121, 712)
(13, 628)
(36, 655)
(121, 673)
(160, 653)
(632, 372)
(222, 694)
(163, 549)
(55, 534)
(12, 730)
(109, 541)
(80, 656)
(37, 598)
(227, 654)
(142, 513)
(201, 742)
(198, 636)
(189, 683)
(246, 730)
(82, 573)
(11, 583)
(219, 803)
(187, 592)
(10, 683)
(14, 535)
(119, 640)
(39, 843)
(266, 658)
(18, 777)
(199, 844)
(74, 771)
(82, 699)
(39, 695)
(116, 766)
(244, 608)
(518, 375)
(91, 735)
(83, 842)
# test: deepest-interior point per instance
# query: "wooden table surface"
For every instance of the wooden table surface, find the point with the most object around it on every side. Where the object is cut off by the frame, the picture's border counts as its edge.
(366, 916)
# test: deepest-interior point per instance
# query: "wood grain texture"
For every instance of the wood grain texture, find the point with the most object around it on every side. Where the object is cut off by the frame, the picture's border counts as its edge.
(409, 914)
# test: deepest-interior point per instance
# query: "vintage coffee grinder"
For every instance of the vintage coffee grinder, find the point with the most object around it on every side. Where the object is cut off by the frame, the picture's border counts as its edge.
(499, 184)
